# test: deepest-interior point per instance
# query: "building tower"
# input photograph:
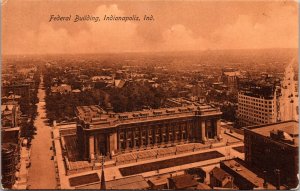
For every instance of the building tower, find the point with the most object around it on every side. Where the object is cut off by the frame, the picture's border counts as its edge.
(289, 95)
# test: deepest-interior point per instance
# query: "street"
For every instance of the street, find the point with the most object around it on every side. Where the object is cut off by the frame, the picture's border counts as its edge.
(42, 171)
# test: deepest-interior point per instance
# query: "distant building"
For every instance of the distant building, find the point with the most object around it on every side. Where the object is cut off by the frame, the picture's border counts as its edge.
(10, 98)
(101, 78)
(22, 90)
(289, 103)
(179, 102)
(230, 78)
(119, 83)
(106, 133)
(274, 146)
(220, 179)
(10, 115)
(257, 107)
(61, 89)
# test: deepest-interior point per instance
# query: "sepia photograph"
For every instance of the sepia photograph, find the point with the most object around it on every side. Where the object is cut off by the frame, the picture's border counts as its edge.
(149, 95)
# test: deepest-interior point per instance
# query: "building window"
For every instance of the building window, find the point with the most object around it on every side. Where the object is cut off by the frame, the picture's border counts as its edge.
(122, 136)
(123, 146)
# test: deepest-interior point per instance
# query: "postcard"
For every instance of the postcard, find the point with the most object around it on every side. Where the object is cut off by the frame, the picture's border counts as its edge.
(149, 95)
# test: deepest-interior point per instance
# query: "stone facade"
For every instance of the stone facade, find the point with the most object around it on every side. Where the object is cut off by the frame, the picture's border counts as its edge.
(106, 133)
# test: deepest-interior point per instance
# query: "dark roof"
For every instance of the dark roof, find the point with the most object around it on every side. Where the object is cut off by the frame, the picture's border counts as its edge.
(128, 183)
(219, 174)
(202, 186)
(85, 179)
(184, 181)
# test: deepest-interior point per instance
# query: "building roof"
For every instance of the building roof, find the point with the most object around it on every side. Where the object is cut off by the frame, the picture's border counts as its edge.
(289, 127)
(61, 88)
(219, 174)
(202, 186)
(129, 183)
(158, 180)
(120, 83)
(184, 181)
(235, 73)
(133, 182)
(84, 179)
(239, 168)
(99, 118)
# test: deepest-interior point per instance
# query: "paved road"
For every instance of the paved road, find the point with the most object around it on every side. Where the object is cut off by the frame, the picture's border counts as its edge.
(42, 170)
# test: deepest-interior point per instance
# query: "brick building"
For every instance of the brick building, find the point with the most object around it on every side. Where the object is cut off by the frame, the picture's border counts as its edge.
(274, 147)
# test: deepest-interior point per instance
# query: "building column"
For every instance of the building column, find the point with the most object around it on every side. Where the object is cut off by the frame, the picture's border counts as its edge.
(125, 138)
(96, 145)
(118, 140)
(141, 137)
(112, 143)
(203, 132)
(167, 132)
(161, 134)
(218, 127)
(180, 131)
(154, 135)
(147, 136)
(188, 133)
(92, 147)
(133, 137)
(173, 132)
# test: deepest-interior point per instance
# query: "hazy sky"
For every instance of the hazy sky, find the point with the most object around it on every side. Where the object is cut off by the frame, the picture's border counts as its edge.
(178, 26)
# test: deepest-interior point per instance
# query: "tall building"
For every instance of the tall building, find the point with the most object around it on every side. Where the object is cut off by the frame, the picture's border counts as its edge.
(106, 133)
(255, 107)
(274, 148)
(8, 164)
(230, 78)
(289, 96)
(10, 115)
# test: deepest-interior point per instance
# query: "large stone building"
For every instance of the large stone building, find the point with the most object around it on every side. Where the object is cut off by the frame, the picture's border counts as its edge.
(274, 147)
(106, 133)
(289, 96)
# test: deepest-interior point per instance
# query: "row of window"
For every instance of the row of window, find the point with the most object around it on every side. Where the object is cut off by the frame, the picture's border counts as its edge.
(240, 97)
(254, 113)
(254, 106)
(256, 118)
(150, 133)
(159, 139)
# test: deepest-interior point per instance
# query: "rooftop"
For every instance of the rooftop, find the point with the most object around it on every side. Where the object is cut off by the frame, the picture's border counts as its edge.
(130, 183)
(99, 118)
(238, 167)
(289, 127)
(219, 174)
(184, 181)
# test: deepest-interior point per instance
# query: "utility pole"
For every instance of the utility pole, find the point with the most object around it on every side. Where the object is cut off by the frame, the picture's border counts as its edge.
(102, 184)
